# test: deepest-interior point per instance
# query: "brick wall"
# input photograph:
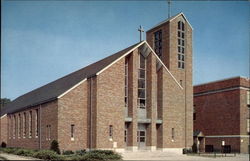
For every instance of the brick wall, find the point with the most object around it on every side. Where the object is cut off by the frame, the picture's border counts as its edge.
(48, 113)
(3, 129)
(110, 106)
(223, 112)
(170, 59)
(73, 111)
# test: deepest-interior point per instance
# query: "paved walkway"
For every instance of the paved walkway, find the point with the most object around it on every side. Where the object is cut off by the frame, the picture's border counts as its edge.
(159, 155)
(15, 157)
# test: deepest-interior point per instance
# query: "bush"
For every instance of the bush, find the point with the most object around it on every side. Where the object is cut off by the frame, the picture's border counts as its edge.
(68, 152)
(80, 152)
(47, 155)
(194, 148)
(96, 155)
(3, 145)
(9, 150)
(103, 155)
(55, 146)
(186, 150)
(24, 152)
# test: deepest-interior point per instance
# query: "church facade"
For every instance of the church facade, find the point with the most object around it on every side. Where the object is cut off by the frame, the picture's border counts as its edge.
(138, 98)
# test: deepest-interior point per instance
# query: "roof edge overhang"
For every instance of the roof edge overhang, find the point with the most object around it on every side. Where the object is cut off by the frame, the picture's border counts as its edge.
(30, 106)
(171, 19)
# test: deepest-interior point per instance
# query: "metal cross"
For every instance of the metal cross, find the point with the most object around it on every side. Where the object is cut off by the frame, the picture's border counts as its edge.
(169, 8)
(141, 31)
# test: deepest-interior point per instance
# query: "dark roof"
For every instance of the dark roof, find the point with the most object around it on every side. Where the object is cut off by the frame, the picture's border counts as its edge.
(54, 89)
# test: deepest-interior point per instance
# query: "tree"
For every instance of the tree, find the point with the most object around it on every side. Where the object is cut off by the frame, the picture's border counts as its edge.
(4, 101)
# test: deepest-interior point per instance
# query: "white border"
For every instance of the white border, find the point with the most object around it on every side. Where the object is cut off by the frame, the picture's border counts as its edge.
(72, 88)
(128, 52)
(171, 19)
(220, 80)
(164, 65)
(3, 116)
(227, 136)
(220, 90)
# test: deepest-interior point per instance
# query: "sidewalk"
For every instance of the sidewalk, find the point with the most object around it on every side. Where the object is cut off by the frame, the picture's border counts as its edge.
(159, 155)
(16, 157)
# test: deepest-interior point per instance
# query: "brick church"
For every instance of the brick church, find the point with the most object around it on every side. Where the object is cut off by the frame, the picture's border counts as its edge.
(138, 98)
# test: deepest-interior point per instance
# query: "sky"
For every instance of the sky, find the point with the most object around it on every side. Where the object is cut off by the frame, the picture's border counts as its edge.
(45, 40)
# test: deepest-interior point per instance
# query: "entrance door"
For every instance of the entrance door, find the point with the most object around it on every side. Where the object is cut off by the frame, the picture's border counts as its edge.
(141, 136)
(141, 139)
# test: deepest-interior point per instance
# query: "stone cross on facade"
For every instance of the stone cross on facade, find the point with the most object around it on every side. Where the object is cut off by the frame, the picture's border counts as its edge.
(141, 32)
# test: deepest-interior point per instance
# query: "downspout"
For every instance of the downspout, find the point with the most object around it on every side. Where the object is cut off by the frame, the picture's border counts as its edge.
(40, 125)
(186, 97)
(90, 115)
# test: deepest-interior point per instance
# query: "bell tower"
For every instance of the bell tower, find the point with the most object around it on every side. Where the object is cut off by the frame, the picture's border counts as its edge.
(172, 42)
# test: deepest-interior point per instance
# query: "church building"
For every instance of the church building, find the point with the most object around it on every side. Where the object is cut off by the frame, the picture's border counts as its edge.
(140, 98)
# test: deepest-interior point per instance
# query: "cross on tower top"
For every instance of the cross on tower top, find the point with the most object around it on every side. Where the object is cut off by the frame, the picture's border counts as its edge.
(169, 8)
(141, 31)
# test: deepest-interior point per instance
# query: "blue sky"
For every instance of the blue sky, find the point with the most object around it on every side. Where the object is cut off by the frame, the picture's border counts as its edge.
(45, 40)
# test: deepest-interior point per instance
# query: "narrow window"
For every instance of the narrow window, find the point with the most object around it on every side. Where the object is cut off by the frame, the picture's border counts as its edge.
(36, 122)
(110, 131)
(48, 132)
(30, 124)
(14, 126)
(19, 125)
(181, 82)
(248, 126)
(9, 126)
(248, 97)
(181, 45)
(126, 82)
(49, 136)
(125, 135)
(194, 115)
(24, 124)
(173, 134)
(158, 43)
(142, 82)
(72, 131)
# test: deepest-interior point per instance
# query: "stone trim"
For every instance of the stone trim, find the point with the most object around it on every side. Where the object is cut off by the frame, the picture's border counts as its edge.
(72, 88)
(220, 90)
(227, 136)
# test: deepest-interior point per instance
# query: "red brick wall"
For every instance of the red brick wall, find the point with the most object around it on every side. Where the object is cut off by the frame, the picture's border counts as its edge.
(173, 113)
(48, 117)
(222, 84)
(218, 114)
(223, 112)
(110, 105)
(3, 129)
(170, 59)
(73, 111)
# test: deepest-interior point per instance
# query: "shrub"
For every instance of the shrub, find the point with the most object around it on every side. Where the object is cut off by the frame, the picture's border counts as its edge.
(3, 145)
(80, 152)
(103, 155)
(24, 152)
(186, 150)
(194, 148)
(68, 152)
(9, 150)
(55, 146)
(47, 155)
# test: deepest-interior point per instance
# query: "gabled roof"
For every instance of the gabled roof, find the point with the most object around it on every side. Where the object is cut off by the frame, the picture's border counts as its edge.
(56, 88)
(170, 19)
(59, 87)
